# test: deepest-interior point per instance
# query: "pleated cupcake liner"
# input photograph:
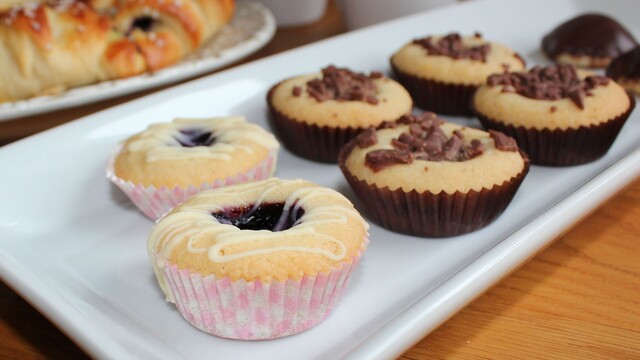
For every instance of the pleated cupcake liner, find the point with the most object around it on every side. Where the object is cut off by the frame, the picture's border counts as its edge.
(156, 202)
(573, 146)
(428, 214)
(310, 141)
(257, 310)
(436, 96)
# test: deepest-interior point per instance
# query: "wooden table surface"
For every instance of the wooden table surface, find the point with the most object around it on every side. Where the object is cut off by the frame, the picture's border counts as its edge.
(579, 298)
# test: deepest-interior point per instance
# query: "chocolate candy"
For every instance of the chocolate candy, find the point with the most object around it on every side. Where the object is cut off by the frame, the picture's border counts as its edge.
(595, 37)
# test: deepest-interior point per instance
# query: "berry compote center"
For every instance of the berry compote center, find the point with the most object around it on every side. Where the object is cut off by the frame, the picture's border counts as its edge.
(265, 216)
(194, 137)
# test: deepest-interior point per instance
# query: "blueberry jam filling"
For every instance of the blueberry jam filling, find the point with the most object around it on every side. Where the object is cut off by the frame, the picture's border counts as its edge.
(144, 23)
(265, 216)
(194, 137)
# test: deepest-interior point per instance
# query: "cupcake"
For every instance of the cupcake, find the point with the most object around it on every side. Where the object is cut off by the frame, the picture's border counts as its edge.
(259, 260)
(558, 117)
(315, 115)
(625, 70)
(165, 164)
(425, 177)
(442, 72)
(589, 40)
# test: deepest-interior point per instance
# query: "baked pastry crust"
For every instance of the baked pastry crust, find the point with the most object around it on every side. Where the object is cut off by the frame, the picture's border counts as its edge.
(49, 47)
(414, 60)
(394, 101)
(605, 103)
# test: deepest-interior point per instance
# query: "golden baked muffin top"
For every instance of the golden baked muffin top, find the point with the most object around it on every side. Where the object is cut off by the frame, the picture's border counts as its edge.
(267, 230)
(455, 59)
(552, 97)
(424, 153)
(193, 152)
(338, 97)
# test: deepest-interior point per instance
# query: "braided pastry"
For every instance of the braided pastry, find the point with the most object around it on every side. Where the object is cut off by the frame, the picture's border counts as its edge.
(49, 46)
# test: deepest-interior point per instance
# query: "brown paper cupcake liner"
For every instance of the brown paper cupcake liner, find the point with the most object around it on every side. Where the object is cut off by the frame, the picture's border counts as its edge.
(563, 147)
(432, 215)
(439, 97)
(310, 141)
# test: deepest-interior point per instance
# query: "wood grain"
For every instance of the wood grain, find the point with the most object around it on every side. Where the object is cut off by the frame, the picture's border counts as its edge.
(579, 299)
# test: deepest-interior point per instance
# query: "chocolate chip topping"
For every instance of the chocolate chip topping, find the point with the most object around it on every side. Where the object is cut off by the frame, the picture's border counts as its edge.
(589, 35)
(451, 46)
(367, 138)
(343, 85)
(626, 65)
(549, 83)
(503, 142)
(424, 140)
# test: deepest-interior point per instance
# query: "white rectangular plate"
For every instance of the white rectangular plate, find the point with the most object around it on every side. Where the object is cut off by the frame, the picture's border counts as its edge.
(74, 246)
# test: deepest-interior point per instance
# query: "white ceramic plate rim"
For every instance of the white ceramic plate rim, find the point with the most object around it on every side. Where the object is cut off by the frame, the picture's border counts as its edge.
(109, 89)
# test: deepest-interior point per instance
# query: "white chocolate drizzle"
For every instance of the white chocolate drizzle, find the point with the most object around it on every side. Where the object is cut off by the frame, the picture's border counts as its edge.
(160, 141)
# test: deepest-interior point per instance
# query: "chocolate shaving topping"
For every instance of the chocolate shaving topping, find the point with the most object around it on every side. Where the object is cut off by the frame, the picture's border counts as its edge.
(343, 85)
(367, 138)
(549, 83)
(451, 46)
(503, 142)
(424, 140)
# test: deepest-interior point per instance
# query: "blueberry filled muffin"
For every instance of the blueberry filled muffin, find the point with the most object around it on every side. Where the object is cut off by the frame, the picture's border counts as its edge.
(314, 115)
(426, 177)
(258, 260)
(442, 72)
(168, 162)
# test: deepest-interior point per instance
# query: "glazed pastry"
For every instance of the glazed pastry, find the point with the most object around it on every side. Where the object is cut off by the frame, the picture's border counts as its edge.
(558, 117)
(165, 164)
(56, 45)
(316, 114)
(589, 40)
(261, 260)
(425, 177)
(625, 70)
(442, 72)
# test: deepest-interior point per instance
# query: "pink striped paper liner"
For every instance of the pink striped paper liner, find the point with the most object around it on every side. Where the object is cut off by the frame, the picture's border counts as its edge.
(154, 203)
(256, 310)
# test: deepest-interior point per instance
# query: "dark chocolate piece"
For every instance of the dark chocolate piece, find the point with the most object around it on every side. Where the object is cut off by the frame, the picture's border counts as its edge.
(367, 138)
(343, 85)
(503, 142)
(594, 35)
(625, 66)
(425, 140)
(549, 83)
(451, 46)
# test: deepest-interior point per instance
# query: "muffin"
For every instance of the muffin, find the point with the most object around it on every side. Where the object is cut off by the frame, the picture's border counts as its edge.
(558, 117)
(425, 177)
(625, 70)
(259, 260)
(315, 115)
(589, 40)
(168, 162)
(442, 72)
